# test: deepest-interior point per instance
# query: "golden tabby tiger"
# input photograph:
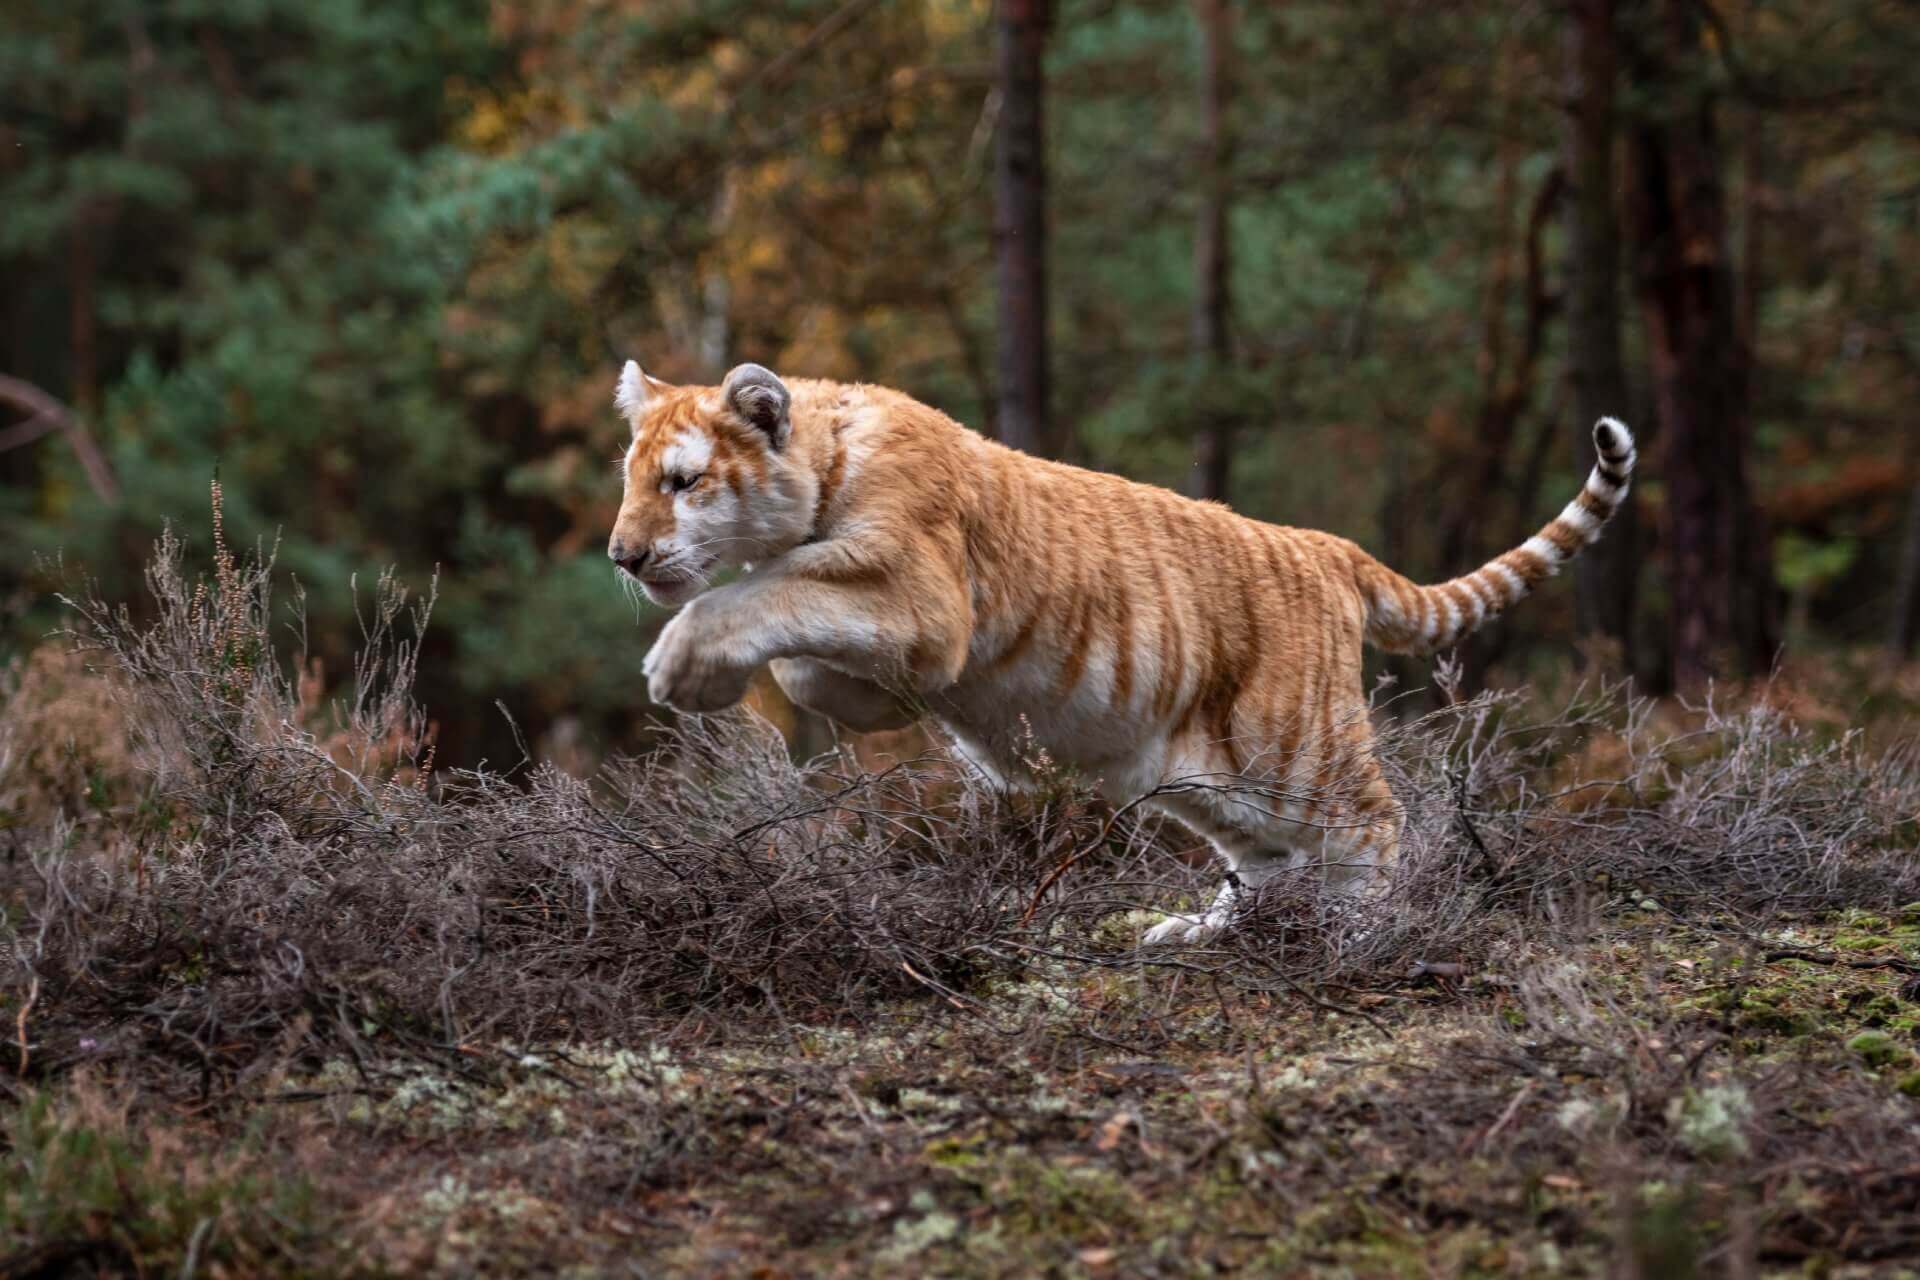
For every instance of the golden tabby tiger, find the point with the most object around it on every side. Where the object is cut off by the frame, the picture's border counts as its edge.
(902, 565)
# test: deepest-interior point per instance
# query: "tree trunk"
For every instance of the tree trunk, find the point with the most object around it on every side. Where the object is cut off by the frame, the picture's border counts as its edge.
(83, 331)
(1506, 394)
(1906, 596)
(1020, 227)
(1506, 391)
(1507, 360)
(1719, 565)
(1212, 261)
(714, 331)
(1606, 575)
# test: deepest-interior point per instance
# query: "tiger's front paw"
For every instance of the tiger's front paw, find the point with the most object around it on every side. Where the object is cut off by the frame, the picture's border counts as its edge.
(686, 672)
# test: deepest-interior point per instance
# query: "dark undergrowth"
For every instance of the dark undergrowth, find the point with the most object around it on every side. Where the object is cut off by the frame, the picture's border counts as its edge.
(1619, 951)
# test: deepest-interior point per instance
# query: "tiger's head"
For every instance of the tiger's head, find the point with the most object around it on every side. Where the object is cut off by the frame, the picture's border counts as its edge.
(712, 480)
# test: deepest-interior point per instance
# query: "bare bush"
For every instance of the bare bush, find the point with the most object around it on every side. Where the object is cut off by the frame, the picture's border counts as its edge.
(317, 885)
(296, 881)
(1740, 809)
(1523, 828)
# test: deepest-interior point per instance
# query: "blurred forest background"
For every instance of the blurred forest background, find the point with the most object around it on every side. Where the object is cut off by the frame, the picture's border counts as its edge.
(1373, 268)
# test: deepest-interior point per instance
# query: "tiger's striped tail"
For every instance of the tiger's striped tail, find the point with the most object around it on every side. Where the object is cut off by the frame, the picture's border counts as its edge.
(1404, 618)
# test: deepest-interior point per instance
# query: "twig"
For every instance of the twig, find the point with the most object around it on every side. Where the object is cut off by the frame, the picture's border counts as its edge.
(1492, 1131)
(1053, 877)
(1331, 1007)
(966, 1004)
(33, 994)
(1845, 962)
(1496, 870)
(49, 415)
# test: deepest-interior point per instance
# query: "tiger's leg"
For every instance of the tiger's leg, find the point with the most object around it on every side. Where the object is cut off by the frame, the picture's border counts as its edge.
(800, 606)
(1256, 836)
(860, 705)
(1333, 817)
(1360, 838)
(1237, 889)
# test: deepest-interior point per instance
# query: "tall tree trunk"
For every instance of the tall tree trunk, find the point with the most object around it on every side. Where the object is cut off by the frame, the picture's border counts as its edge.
(1506, 386)
(83, 330)
(1507, 359)
(1212, 260)
(1753, 184)
(1020, 226)
(1720, 567)
(1904, 634)
(1606, 575)
(1906, 595)
(714, 330)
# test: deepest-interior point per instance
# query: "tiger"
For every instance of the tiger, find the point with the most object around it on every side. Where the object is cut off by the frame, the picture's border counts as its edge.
(894, 566)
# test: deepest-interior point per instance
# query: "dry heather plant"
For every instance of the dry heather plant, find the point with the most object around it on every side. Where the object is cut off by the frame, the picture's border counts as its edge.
(1743, 817)
(295, 882)
(63, 743)
(314, 889)
(91, 1189)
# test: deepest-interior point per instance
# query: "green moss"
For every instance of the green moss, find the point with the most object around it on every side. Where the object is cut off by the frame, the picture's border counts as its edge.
(1775, 1010)
(958, 1154)
(1873, 1007)
(1060, 1201)
(1876, 1048)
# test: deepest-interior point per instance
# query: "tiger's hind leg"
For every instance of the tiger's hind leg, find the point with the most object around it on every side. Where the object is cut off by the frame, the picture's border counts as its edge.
(1250, 824)
(1359, 832)
(1345, 830)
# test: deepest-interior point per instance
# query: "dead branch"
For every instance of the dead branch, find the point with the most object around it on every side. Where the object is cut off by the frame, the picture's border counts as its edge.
(48, 415)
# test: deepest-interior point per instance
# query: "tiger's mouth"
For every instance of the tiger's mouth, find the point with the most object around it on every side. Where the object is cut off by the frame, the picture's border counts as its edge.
(668, 591)
(672, 585)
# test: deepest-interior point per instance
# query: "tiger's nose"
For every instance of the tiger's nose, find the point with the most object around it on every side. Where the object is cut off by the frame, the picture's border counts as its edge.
(632, 559)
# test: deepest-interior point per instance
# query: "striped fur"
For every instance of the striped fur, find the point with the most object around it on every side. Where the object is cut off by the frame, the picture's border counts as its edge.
(904, 566)
(1404, 618)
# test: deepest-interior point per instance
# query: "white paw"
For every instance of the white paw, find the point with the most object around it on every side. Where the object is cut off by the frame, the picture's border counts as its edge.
(685, 672)
(1168, 930)
(1182, 929)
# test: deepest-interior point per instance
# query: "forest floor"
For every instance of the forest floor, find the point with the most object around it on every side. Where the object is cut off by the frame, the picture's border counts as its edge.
(1650, 1091)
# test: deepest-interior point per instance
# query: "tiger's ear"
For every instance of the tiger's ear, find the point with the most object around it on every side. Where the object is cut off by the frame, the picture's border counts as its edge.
(761, 400)
(631, 393)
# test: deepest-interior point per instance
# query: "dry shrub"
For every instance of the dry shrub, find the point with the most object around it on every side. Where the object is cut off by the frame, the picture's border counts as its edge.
(318, 894)
(315, 891)
(64, 747)
(86, 1187)
(1746, 810)
(1738, 815)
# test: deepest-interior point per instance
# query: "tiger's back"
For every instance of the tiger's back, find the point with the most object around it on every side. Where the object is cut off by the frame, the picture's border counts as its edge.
(1121, 617)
